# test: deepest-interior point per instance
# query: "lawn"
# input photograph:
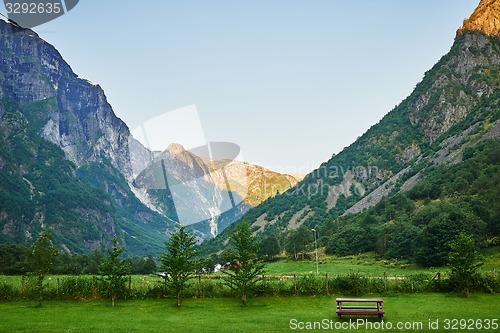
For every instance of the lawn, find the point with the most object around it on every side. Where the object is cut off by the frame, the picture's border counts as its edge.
(369, 264)
(272, 314)
(363, 263)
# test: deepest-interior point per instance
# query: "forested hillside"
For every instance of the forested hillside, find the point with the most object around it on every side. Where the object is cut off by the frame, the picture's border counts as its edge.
(64, 156)
(407, 186)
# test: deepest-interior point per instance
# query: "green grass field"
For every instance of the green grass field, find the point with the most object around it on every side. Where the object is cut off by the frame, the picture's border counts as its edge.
(368, 264)
(263, 314)
(226, 315)
(340, 266)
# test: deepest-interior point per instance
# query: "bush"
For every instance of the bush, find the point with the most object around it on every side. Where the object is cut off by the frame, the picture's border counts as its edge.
(212, 286)
(351, 284)
(487, 283)
(7, 292)
(275, 287)
(208, 287)
(81, 288)
(311, 285)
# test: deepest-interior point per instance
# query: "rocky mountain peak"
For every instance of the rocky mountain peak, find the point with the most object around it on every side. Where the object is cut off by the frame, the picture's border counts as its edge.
(486, 18)
(175, 149)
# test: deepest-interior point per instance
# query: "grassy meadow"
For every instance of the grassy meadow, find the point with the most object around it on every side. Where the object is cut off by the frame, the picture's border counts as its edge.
(369, 264)
(366, 264)
(263, 314)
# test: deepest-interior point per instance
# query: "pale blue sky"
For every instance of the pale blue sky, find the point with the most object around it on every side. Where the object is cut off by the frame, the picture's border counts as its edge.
(290, 81)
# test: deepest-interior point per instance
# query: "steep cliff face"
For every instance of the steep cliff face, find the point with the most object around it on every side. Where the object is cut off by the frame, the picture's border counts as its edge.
(454, 108)
(486, 19)
(64, 160)
(263, 184)
(82, 123)
(455, 85)
(67, 164)
(207, 194)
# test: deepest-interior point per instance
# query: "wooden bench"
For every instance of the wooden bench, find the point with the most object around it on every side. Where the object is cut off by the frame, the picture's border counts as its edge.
(361, 307)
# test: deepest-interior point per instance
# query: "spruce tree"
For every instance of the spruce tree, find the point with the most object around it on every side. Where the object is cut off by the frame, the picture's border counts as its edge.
(246, 267)
(180, 259)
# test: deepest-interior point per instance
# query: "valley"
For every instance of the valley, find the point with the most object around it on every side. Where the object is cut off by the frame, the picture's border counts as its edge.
(425, 172)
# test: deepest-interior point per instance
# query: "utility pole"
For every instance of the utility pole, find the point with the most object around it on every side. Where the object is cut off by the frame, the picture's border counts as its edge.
(316, 246)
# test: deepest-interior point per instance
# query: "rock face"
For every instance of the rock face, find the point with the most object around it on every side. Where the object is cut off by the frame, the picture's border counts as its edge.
(68, 164)
(65, 160)
(454, 107)
(83, 124)
(264, 184)
(432, 110)
(207, 194)
(486, 19)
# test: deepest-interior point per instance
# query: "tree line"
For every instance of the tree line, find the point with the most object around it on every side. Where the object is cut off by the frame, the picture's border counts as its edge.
(417, 225)
(179, 263)
(15, 260)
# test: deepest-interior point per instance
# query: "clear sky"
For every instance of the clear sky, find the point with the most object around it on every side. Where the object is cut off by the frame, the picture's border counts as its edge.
(290, 81)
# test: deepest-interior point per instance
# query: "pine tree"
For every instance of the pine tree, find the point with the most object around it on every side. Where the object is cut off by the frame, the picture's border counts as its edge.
(180, 259)
(246, 268)
(42, 258)
(464, 262)
(114, 271)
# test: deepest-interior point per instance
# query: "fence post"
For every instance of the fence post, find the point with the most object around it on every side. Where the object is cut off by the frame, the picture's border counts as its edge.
(411, 279)
(295, 283)
(439, 276)
(385, 281)
(326, 283)
(200, 287)
(57, 290)
(22, 284)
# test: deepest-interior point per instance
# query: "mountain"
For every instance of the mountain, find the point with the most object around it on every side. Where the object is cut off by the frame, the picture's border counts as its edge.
(64, 159)
(205, 193)
(68, 163)
(486, 19)
(408, 163)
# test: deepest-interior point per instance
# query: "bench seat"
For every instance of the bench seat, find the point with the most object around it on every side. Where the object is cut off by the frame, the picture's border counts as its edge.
(358, 307)
(360, 313)
(361, 309)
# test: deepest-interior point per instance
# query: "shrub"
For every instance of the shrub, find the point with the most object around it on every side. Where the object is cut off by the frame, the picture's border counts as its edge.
(275, 287)
(7, 292)
(352, 284)
(311, 285)
(81, 288)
